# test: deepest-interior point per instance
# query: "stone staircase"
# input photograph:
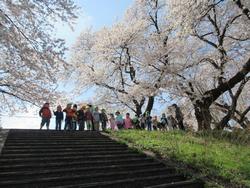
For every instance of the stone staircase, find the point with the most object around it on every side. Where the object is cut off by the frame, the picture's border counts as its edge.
(37, 158)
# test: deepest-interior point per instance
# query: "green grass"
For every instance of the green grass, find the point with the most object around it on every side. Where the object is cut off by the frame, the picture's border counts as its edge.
(216, 155)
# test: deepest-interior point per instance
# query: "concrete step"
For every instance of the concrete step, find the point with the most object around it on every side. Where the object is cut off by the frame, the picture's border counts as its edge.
(35, 158)
(49, 141)
(63, 153)
(135, 182)
(86, 178)
(184, 184)
(61, 143)
(8, 150)
(14, 137)
(4, 161)
(118, 146)
(62, 164)
(21, 175)
(53, 133)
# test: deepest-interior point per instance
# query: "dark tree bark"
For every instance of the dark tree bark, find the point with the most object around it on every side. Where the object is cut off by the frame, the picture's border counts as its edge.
(232, 108)
(150, 104)
(201, 106)
(203, 116)
(213, 94)
(244, 9)
(138, 106)
(239, 117)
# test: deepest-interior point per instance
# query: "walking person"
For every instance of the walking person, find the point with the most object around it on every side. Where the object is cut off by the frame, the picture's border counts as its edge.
(103, 119)
(81, 118)
(96, 119)
(59, 117)
(45, 114)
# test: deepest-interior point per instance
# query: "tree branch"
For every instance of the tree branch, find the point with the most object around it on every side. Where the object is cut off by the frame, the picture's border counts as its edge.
(211, 95)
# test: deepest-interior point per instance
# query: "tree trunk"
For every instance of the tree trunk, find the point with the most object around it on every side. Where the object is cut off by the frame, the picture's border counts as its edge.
(138, 111)
(201, 107)
(150, 104)
(203, 116)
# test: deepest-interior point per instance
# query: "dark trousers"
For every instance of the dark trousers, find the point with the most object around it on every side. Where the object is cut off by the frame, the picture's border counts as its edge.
(143, 126)
(104, 125)
(68, 124)
(74, 125)
(181, 126)
(120, 125)
(149, 126)
(81, 125)
(58, 124)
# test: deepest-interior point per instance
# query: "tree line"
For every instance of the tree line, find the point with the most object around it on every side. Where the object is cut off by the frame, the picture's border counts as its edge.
(195, 53)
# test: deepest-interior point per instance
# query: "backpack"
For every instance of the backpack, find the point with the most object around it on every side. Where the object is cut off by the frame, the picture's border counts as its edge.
(164, 121)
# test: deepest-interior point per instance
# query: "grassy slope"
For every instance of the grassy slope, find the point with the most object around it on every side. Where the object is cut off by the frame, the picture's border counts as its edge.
(212, 155)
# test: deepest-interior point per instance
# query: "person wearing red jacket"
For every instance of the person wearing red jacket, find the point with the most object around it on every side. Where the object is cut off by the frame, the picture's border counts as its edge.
(69, 116)
(45, 113)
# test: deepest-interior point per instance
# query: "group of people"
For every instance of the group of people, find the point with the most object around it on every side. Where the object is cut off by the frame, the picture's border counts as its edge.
(91, 118)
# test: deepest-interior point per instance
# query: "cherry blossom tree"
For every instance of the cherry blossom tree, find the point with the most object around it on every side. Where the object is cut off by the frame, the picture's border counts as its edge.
(126, 60)
(221, 63)
(31, 57)
(196, 52)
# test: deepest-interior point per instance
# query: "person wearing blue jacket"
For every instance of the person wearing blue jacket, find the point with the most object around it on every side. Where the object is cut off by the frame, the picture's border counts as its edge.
(59, 117)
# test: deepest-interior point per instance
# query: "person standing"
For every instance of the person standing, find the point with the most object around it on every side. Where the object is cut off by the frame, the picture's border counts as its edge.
(74, 117)
(104, 119)
(119, 120)
(172, 122)
(164, 122)
(81, 118)
(179, 117)
(89, 118)
(148, 121)
(136, 122)
(96, 119)
(127, 122)
(112, 122)
(59, 117)
(155, 123)
(142, 121)
(45, 114)
(69, 115)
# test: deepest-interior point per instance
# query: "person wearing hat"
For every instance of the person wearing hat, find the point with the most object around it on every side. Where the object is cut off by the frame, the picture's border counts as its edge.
(59, 117)
(45, 113)
(69, 115)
